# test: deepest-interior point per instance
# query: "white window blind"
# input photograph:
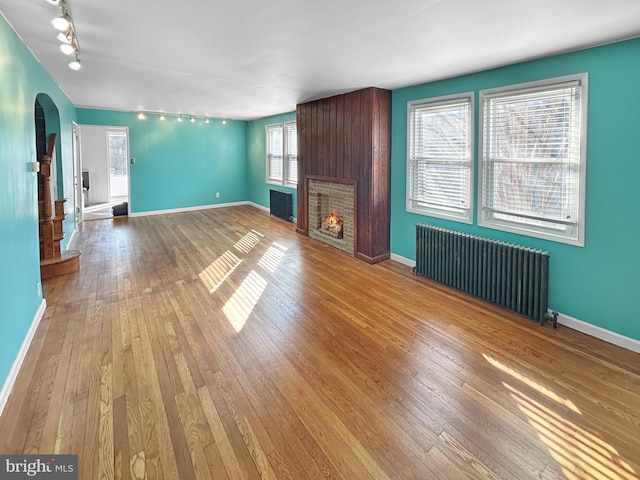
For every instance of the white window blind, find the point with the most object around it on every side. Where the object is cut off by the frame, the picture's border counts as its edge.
(532, 160)
(291, 135)
(282, 154)
(275, 151)
(440, 157)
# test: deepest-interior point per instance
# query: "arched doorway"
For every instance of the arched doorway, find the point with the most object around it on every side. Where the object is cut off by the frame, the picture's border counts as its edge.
(47, 122)
(51, 210)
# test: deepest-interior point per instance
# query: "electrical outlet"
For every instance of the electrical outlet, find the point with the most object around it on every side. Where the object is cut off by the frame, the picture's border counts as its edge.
(217, 194)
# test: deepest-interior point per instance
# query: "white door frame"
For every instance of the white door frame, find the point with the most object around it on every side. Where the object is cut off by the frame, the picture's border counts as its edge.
(77, 175)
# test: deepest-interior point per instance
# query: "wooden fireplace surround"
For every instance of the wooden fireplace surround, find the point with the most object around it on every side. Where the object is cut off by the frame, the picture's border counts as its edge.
(347, 139)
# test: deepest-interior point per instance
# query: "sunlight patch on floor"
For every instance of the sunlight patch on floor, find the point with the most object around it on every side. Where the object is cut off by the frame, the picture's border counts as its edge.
(250, 240)
(244, 299)
(580, 454)
(272, 257)
(215, 274)
(530, 383)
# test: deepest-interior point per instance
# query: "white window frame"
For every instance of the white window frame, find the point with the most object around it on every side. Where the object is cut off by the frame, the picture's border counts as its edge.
(572, 231)
(288, 156)
(465, 214)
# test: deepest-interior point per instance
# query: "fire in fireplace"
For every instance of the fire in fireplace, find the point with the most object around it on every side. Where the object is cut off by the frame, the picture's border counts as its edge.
(332, 225)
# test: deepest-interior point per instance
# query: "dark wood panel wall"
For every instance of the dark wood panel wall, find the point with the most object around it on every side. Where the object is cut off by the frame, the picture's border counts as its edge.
(348, 137)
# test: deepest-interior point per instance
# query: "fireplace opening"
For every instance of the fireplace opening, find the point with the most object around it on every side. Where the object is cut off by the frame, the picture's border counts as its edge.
(332, 225)
(331, 210)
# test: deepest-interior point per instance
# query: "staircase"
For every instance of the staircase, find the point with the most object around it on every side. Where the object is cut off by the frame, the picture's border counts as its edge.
(51, 215)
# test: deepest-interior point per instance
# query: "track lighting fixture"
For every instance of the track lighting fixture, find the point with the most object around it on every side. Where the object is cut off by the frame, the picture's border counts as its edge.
(142, 115)
(67, 36)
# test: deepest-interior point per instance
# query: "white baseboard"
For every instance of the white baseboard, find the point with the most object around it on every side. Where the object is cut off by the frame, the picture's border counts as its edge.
(599, 332)
(187, 209)
(584, 327)
(258, 206)
(71, 239)
(17, 363)
(403, 260)
(201, 207)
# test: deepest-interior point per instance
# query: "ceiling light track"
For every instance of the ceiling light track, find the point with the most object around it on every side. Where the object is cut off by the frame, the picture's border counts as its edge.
(67, 32)
(143, 115)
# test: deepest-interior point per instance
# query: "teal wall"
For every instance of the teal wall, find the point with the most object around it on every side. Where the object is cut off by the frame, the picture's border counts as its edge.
(599, 283)
(22, 78)
(180, 164)
(256, 152)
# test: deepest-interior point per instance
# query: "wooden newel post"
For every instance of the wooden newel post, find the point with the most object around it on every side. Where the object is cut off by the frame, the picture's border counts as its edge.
(47, 210)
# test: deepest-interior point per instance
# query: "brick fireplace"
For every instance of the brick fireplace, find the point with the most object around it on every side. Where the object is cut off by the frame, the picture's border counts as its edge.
(326, 198)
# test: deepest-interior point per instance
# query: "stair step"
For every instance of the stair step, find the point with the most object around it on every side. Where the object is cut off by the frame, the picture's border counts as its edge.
(67, 262)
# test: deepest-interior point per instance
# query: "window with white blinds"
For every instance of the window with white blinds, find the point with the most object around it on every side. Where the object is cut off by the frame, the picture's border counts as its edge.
(275, 152)
(439, 160)
(291, 154)
(282, 154)
(533, 159)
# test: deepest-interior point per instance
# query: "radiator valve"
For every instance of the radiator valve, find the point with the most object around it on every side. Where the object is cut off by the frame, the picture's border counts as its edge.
(551, 316)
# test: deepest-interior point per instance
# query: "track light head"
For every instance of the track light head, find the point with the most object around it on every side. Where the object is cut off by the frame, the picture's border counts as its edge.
(75, 64)
(67, 49)
(61, 23)
(65, 37)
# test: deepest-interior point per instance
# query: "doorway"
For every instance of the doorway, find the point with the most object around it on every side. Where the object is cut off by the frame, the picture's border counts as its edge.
(104, 152)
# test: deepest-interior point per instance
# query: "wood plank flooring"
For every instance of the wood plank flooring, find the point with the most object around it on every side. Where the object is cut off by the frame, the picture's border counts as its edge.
(220, 344)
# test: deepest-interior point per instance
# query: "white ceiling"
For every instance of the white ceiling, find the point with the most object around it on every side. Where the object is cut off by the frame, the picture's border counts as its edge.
(251, 59)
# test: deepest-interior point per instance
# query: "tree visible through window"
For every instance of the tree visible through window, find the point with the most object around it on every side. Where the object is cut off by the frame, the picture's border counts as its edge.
(532, 160)
(117, 148)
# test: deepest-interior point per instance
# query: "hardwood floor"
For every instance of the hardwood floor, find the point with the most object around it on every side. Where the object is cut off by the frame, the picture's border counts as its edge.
(219, 344)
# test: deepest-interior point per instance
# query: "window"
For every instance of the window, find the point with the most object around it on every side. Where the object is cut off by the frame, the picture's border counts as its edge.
(533, 159)
(117, 153)
(282, 154)
(439, 160)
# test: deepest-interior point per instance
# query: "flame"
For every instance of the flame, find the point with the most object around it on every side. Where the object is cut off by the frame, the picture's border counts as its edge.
(333, 220)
